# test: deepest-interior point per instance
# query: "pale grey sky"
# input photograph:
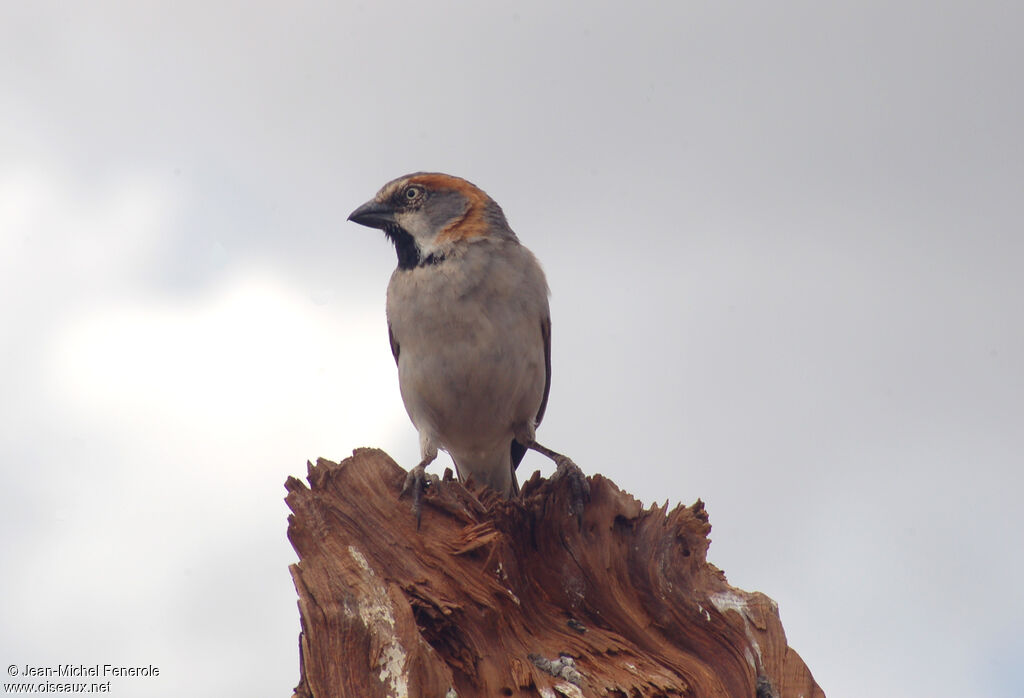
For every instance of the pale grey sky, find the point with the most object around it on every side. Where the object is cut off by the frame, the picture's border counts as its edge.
(785, 252)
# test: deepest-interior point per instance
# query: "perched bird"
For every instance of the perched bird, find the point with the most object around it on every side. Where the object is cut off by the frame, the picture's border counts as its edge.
(469, 326)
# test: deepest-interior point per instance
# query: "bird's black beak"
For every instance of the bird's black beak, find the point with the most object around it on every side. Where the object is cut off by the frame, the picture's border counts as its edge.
(373, 215)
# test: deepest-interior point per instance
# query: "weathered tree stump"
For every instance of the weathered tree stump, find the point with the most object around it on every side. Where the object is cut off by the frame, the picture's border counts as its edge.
(519, 598)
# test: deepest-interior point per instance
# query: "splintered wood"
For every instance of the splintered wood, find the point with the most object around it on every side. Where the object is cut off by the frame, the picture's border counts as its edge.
(519, 598)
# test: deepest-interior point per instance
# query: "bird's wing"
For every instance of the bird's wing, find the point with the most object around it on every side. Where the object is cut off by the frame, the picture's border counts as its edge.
(518, 449)
(545, 331)
(395, 350)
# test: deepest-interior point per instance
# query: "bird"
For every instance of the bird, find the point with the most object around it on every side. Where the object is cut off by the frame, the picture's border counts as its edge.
(470, 330)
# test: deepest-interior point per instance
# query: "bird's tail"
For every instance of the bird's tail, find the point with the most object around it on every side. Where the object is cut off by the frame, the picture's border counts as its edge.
(495, 469)
(518, 451)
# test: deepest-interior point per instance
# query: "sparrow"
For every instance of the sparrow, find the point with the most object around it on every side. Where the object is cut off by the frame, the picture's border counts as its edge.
(470, 330)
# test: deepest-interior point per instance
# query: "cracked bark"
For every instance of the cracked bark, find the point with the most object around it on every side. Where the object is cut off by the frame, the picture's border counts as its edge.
(518, 598)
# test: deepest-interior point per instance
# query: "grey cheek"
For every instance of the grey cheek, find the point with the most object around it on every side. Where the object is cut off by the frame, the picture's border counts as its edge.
(445, 208)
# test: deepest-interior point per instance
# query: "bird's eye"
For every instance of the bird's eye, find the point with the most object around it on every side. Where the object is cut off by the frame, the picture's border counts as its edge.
(413, 193)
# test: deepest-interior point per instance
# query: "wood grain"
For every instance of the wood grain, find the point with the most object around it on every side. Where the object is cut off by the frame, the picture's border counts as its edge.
(487, 596)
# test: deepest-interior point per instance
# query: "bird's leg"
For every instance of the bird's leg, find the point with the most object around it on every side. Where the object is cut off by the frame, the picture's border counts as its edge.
(416, 482)
(565, 468)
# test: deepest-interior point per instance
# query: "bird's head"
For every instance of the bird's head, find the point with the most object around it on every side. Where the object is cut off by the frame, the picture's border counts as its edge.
(428, 215)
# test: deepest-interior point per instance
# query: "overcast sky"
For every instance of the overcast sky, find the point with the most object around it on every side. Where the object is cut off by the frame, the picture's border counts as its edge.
(785, 250)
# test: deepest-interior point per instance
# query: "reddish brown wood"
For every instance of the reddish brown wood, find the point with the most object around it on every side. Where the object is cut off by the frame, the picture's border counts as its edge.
(475, 601)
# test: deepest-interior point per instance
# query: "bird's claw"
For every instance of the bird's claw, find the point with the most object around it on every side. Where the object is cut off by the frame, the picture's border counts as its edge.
(416, 482)
(579, 488)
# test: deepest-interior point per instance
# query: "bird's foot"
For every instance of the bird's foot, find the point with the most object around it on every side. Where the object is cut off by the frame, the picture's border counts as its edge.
(416, 483)
(579, 488)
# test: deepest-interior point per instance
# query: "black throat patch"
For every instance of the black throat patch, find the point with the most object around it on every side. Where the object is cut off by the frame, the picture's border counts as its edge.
(405, 246)
(408, 252)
